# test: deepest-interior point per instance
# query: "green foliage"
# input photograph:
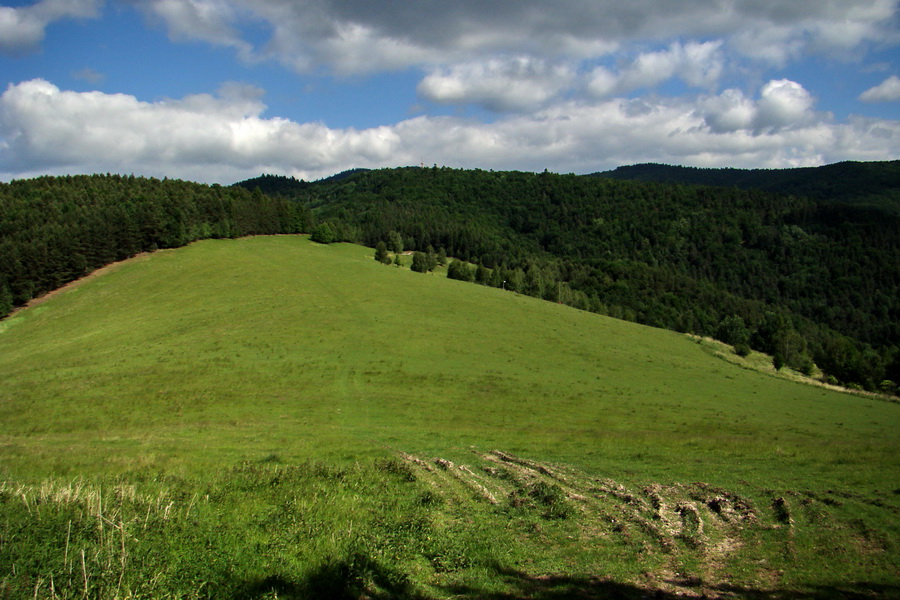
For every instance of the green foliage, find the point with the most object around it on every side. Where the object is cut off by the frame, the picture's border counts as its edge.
(778, 361)
(381, 253)
(813, 275)
(869, 182)
(56, 229)
(431, 259)
(420, 262)
(742, 349)
(395, 242)
(733, 331)
(324, 234)
(6, 299)
(460, 270)
(483, 275)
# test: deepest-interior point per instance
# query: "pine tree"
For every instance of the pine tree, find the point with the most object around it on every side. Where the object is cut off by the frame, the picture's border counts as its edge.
(381, 253)
(6, 300)
(395, 242)
(419, 262)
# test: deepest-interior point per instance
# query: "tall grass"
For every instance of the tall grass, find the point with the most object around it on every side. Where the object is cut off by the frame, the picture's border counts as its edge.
(417, 527)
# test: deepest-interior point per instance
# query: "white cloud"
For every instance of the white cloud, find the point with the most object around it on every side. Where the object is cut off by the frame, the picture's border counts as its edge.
(783, 103)
(352, 36)
(515, 84)
(777, 32)
(201, 137)
(207, 20)
(22, 29)
(224, 137)
(886, 91)
(697, 64)
(728, 112)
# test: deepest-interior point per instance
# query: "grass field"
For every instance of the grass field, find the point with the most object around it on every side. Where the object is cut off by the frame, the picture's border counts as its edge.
(275, 407)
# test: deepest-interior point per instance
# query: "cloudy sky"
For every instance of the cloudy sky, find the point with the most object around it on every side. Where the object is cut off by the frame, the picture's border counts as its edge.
(222, 90)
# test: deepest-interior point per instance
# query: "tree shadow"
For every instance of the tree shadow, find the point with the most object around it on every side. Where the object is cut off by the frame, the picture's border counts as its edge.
(351, 578)
(359, 577)
(559, 587)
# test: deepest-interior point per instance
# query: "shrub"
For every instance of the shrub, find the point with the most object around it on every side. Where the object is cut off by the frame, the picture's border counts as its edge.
(742, 350)
(323, 234)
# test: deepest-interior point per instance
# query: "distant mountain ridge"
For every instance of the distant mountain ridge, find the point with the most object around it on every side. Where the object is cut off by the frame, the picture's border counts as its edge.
(284, 185)
(845, 181)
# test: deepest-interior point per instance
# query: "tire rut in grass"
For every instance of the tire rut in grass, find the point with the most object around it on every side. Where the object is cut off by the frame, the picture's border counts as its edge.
(681, 524)
(697, 515)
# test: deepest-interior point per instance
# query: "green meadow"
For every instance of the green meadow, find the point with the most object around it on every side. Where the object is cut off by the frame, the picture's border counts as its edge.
(270, 417)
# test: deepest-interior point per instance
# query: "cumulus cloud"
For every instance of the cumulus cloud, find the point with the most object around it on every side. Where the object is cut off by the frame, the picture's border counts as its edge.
(514, 84)
(206, 20)
(697, 64)
(200, 137)
(22, 29)
(782, 104)
(224, 137)
(782, 31)
(364, 36)
(729, 111)
(886, 91)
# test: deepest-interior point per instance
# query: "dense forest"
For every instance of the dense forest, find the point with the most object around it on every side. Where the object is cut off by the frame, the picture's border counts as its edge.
(809, 278)
(56, 229)
(856, 182)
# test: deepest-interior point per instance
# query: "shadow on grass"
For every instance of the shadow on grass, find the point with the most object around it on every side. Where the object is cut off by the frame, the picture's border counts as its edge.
(351, 578)
(359, 577)
(560, 587)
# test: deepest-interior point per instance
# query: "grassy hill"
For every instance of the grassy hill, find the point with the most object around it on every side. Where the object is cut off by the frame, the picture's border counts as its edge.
(813, 279)
(262, 417)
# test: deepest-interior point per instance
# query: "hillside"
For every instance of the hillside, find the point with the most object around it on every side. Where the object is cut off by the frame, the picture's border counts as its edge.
(816, 283)
(264, 417)
(812, 279)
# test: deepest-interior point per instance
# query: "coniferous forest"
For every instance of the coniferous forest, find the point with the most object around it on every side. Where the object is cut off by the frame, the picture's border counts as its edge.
(56, 229)
(796, 266)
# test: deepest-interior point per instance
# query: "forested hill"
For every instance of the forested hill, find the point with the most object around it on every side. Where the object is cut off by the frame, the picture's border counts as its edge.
(56, 229)
(858, 182)
(804, 278)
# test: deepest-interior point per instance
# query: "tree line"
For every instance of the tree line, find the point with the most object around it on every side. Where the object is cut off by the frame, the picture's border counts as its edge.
(54, 230)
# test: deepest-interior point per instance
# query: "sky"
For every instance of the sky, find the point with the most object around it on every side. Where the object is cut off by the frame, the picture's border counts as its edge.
(218, 91)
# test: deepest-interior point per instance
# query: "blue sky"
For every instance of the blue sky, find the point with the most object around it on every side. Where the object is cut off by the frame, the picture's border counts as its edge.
(222, 90)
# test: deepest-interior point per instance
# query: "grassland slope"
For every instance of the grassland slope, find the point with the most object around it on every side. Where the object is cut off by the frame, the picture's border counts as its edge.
(287, 401)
